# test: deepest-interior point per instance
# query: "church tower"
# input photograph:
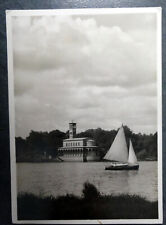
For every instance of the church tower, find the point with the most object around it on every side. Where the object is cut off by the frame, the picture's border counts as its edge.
(72, 130)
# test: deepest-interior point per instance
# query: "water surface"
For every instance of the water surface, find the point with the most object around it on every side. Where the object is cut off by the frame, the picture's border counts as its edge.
(68, 177)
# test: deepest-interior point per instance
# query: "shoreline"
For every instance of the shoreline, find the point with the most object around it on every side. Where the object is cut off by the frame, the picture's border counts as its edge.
(58, 161)
(91, 205)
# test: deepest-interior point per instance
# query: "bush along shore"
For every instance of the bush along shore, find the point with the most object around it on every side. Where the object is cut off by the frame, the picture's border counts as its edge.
(91, 205)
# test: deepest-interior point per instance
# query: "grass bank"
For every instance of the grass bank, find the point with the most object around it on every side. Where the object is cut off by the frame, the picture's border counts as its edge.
(91, 205)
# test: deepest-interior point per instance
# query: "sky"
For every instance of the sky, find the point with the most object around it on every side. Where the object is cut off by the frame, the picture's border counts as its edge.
(97, 70)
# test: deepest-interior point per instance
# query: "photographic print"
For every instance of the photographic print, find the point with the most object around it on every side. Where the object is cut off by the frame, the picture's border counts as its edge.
(85, 115)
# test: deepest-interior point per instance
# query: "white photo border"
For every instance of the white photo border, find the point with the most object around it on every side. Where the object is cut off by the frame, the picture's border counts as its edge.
(92, 11)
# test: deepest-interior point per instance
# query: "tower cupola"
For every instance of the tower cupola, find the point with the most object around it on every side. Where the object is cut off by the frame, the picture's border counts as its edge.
(72, 130)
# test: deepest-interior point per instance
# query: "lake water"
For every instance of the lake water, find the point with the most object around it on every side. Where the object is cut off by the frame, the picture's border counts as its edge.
(67, 177)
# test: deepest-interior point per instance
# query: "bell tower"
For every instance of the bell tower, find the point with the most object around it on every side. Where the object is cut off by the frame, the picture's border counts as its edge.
(72, 130)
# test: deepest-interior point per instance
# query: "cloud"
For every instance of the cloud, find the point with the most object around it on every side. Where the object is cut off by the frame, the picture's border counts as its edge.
(99, 71)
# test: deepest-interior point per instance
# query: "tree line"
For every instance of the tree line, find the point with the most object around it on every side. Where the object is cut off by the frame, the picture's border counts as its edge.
(39, 146)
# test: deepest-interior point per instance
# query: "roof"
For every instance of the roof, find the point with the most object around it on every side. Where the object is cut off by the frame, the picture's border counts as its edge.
(76, 147)
(75, 139)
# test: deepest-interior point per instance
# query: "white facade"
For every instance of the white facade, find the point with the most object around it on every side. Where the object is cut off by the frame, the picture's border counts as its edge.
(78, 149)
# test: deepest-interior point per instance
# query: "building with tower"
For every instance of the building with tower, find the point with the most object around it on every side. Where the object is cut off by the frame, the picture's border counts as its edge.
(78, 149)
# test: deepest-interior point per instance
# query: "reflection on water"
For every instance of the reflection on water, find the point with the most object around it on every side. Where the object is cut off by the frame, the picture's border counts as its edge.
(67, 177)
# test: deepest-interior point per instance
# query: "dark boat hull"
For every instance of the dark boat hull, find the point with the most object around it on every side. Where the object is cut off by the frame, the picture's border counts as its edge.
(122, 167)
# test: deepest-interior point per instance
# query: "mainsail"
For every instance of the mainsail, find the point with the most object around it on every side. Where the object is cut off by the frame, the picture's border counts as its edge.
(132, 157)
(118, 150)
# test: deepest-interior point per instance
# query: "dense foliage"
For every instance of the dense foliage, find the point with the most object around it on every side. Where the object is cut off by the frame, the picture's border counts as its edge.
(39, 146)
(92, 205)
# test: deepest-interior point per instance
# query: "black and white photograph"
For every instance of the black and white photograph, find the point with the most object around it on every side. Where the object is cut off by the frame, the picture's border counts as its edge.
(85, 115)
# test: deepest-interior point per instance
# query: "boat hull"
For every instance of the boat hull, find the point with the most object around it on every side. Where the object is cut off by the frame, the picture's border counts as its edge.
(122, 167)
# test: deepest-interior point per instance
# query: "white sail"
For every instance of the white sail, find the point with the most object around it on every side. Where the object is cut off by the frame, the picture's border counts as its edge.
(118, 150)
(132, 157)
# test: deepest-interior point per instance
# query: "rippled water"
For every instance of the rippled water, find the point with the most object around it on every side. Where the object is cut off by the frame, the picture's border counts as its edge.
(67, 177)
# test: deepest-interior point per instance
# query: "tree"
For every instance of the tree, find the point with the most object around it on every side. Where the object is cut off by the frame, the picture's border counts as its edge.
(39, 143)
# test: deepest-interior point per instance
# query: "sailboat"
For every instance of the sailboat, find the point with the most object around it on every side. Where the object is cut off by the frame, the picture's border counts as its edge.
(121, 157)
